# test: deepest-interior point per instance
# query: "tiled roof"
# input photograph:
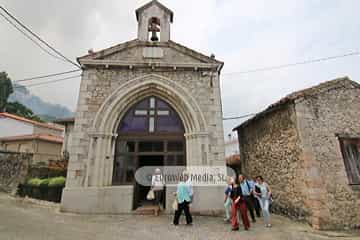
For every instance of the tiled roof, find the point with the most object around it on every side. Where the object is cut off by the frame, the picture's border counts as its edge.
(39, 124)
(344, 82)
(43, 137)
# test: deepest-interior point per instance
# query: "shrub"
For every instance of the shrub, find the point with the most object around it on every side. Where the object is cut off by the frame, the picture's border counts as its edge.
(44, 182)
(34, 182)
(57, 182)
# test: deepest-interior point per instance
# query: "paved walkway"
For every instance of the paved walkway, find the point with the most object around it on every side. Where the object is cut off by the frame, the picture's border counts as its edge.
(21, 220)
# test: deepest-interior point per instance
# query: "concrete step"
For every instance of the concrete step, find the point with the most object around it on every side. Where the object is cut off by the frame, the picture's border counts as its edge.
(148, 210)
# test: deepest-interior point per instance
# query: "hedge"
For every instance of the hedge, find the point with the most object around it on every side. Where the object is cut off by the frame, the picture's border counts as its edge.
(56, 181)
(48, 189)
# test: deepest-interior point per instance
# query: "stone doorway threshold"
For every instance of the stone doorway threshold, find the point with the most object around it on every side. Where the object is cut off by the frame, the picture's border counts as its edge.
(148, 210)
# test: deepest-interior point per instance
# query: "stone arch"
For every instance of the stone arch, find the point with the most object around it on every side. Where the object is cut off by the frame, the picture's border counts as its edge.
(107, 119)
(126, 95)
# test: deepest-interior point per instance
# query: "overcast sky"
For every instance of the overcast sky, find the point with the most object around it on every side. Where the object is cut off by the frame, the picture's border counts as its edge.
(244, 34)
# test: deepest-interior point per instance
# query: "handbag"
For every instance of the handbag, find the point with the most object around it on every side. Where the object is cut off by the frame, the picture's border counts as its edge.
(175, 206)
(150, 195)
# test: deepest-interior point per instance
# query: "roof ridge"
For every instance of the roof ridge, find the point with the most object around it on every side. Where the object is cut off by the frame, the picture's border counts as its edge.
(23, 119)
(311, 91)
(136, 42)
(171, 13)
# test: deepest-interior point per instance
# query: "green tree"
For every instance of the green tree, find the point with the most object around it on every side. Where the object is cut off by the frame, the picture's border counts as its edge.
(5, 90)
(18, 109)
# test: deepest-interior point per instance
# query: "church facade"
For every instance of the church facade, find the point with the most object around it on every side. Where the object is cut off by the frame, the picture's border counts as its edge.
(146, 102)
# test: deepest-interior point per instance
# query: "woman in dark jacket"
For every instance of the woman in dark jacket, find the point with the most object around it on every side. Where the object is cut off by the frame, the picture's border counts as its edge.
(238, 204)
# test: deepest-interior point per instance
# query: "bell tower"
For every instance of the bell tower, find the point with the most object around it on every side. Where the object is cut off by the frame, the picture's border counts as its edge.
(154, 20)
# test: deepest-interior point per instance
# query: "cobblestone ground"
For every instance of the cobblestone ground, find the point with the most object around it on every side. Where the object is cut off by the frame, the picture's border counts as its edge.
(21, 220)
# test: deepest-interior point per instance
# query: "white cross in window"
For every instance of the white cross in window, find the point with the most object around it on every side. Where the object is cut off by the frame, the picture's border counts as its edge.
(152, 112)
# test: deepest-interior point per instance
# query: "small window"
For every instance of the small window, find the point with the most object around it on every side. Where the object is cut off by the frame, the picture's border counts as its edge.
(350, 149)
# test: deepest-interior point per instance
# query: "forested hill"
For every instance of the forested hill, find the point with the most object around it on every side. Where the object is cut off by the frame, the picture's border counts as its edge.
(46, 111)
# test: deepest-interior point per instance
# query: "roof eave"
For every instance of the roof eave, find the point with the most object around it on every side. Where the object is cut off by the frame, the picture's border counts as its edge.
(147, 5)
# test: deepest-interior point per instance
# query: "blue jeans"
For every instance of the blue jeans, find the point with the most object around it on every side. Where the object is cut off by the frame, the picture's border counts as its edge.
(264, 203)
(227, 206)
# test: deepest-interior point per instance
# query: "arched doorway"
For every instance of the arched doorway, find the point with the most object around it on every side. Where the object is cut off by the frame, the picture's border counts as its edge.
(151, 133)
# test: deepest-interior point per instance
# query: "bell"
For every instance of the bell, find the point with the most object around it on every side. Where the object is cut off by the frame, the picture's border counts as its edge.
(154, 37)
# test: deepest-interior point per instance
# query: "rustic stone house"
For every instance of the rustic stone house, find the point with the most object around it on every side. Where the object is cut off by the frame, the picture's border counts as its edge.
(307, 147)
(146, 102)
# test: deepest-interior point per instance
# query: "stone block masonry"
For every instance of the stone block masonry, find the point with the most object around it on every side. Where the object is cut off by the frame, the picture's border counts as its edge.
(295, 145)
(13, 169)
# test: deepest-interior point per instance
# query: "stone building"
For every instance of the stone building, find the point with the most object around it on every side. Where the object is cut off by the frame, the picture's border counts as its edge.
(149, 101)
(44, 148)
(21, 135)
(68, 123)
(307, 147)
(12, 125)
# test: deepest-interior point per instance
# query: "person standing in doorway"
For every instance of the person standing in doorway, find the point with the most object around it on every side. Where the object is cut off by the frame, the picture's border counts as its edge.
(246, 192)
(228, 200)
(157, 185)
(263, 193)
(183, 198)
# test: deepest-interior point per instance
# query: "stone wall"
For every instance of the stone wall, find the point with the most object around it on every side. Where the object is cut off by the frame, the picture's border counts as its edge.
(13, 169)
(270, 147)
(98, 84)
(320, 118)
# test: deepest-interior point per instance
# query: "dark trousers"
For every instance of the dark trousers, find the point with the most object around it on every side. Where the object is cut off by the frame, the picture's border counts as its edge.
(243, 213)
(184, 206)
(158, 196)
(256, 205)
(250, 206)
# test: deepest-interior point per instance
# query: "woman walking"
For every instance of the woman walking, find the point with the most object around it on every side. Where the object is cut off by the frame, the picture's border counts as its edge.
(238, 203)
(183, 197)
(227, 200)
(157, 185)
(263, 193)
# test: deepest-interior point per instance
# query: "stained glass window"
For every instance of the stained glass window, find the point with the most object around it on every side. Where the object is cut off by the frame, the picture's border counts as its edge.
(151, 115)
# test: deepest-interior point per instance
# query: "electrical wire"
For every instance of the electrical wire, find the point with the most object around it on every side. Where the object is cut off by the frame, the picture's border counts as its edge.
(27, 36)
(46, 76)
(239, 117)
(38, 37)
(294, 64)
(47, 82)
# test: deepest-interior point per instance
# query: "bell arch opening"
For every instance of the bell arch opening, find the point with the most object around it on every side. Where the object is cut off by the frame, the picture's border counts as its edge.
(150, 134)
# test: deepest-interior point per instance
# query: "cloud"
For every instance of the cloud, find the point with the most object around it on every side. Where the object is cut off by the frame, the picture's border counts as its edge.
(244, 34)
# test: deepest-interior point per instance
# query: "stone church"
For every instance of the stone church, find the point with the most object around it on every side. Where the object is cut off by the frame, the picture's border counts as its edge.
(146, 102)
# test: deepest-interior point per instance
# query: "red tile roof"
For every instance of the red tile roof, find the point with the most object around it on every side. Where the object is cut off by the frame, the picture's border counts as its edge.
(42, 137)
(39, 124)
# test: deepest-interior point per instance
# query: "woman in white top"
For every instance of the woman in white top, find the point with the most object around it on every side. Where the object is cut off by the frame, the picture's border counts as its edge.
(263, 192)
(157, 185)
